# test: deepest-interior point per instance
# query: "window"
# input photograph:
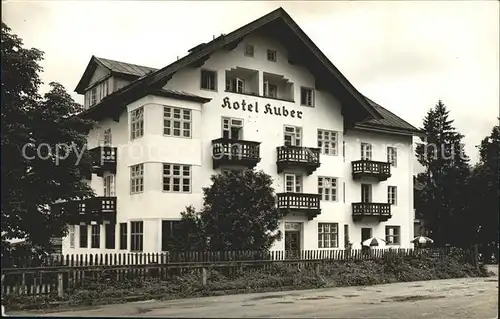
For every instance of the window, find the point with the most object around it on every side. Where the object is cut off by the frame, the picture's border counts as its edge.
(107, 137)
(392, 234)
(392, 194)
(293, 136)
(327, 142)
(123, 235)
(169, 228)
(343, 151)
(366, 151)
(327, 235)
(270, 90)
(109, 230)
(84, 236)
(249, 50)
(327, 188)
(392, 156)
(346, 235)
(71, 236)
(95, 239)
(176, 178)
(109, 186)
(104, 89)
(136, 236)
(232, 128)
(293, 183)
(271, 55)
(209, 80)
(366, 193)
(137, 178)
(306, 96)
(137, 123)
(236, 85)
(176, 122)
(93, 96)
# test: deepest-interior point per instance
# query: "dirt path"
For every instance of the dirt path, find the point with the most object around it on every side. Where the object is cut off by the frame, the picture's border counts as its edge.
(455, 298)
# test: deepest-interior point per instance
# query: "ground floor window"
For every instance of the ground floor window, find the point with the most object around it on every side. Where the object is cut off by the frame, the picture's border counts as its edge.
(392, 235)
(169, 230)
(71, 236)
(123, 235)
(328, 235)
(136, 236)
(84, 236)
(95, 241)
(109, 236)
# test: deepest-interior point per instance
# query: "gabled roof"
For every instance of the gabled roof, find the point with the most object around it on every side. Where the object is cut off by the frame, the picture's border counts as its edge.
(116, 68)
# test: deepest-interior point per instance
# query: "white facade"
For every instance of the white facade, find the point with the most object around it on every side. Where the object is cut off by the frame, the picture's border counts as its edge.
(154, 149)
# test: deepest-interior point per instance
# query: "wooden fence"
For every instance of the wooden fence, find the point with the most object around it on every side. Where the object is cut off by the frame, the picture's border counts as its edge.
(56, 274)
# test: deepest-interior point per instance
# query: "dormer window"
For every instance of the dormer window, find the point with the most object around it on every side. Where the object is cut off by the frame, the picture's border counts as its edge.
(271, 55)
(93, 96)
(235, 85)
(249, 50)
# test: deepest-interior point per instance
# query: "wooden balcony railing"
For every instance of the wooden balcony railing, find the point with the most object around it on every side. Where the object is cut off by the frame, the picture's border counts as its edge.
(103, 159)
(235, 152)
(382, 211)
(97, 209)
(308, 203)
(364, 168)
(297, 156)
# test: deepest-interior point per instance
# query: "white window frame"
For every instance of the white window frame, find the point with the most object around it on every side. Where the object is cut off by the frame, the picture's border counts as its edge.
(294, 133)
(235, 85)
(137, 123)
(177, 122)
(137, 179)
(272, 55)
(392, 195)
(249, 50)
(392, 156)
(228, 123)
(71, 236)
(366, 151)
(136, 236)
(328, 142)
(109, 185)
(309, 98)
(108, 138)
(328, 188)
(296, 183)
(328, 235)
(210, 79)
(176, 178)
(390, 235)
(270, 90)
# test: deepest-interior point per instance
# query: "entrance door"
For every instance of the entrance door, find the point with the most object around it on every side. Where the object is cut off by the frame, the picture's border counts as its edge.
(292, 240)
(366, 233)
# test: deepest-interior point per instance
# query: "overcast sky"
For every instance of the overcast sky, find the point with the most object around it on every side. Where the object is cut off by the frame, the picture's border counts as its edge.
(404, 55)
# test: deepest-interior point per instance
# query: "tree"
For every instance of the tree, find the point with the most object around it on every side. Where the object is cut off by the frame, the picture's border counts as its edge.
(444, 199)
(42, 142)
(239, 213)
(485, 194)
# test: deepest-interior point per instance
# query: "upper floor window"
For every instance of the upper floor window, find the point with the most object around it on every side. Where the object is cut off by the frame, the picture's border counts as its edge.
(327, 142)
(232, 128)
(107, 137)
(328, 235)
(249, 50)
(137, 178)
(392, 155)
(392, 235)
(109, 185)
(235, 85)
(366, 151)
(93, 96)
(270, 90)
(392, 194)
(137, 123)
(176, 178)
(293, 183)
(327, 188)
(104, 89)
(306, 96)
(209, 80)
(176, 122)
(293, 136)
(271, 55)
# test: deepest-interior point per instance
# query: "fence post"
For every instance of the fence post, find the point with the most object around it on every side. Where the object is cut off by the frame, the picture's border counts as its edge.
(476, 256)
(60, 285)
(204, 276)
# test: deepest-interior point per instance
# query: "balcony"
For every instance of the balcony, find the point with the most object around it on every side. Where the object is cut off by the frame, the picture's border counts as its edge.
(298, 157)
(103, 159)
(381, 211)
(364, 168)
(97, 209)
(277, 87)
(235, 152)
(241, 80)
(308, 203)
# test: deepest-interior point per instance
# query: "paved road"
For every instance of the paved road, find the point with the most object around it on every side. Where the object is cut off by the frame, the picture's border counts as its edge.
(455, 298)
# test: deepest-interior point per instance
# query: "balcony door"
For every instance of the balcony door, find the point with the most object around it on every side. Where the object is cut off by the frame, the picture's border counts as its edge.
(232, 128)
(109, 186)
(107, 137)
(366, 193)
(293, 183)
(366, 151)
(293, 136)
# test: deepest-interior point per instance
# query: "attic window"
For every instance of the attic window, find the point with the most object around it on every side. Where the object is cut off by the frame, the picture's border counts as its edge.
(208, 80)
(93, 96)
(249, 50)
(271, 55)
